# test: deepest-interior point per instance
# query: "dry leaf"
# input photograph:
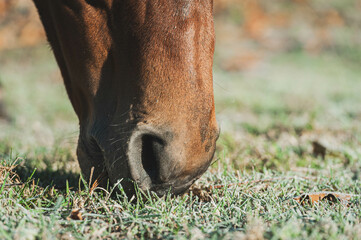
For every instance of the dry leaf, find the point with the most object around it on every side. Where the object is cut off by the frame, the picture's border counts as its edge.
(319, 149)
(75, 215)
(331, 197)
(202, 193)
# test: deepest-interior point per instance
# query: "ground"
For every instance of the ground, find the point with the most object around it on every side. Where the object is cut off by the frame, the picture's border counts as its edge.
(291, 124)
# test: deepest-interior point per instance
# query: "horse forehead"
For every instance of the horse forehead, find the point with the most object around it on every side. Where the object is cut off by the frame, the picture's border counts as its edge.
(184, 7)
(175, 7)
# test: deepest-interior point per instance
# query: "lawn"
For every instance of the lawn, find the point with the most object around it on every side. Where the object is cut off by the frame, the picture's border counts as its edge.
(272, 115)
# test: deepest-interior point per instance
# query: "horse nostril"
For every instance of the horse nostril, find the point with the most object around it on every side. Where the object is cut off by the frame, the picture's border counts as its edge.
(151, 159)
(152, 154)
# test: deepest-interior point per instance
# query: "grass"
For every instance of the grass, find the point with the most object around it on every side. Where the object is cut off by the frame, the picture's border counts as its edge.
(269, 118)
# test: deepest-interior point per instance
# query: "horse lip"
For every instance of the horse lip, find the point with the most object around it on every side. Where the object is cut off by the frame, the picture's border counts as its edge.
(183, 186)
(163, 189)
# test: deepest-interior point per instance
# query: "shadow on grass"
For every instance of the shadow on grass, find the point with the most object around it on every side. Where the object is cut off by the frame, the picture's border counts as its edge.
(49, 177)
(45, 168)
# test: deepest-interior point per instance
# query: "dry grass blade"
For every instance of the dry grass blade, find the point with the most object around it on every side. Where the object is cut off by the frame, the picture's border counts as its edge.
(8, 175)
(98, 181)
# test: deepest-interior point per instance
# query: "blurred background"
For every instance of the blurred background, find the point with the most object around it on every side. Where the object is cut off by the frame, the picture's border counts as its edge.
(256, 25)
(286, 78)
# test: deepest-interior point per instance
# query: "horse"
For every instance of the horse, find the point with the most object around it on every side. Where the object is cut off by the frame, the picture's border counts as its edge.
(138, 74)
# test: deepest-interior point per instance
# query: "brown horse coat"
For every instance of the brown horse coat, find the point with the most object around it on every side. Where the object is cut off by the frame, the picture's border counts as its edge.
(139, 76)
